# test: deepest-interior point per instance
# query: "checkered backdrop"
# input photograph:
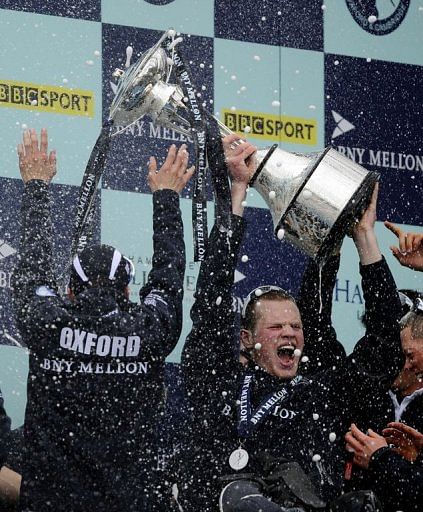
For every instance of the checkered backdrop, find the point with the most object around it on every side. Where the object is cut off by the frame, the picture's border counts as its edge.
(352, 78)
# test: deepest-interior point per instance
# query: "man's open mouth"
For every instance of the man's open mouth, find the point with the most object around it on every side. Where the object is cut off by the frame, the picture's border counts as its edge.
(286, 354)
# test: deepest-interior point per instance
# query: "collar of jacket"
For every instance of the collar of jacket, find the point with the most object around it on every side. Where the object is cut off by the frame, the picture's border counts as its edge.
(98, 302)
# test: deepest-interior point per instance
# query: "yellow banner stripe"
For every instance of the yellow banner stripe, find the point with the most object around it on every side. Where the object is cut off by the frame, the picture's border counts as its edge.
(46, 98)
(297, 130)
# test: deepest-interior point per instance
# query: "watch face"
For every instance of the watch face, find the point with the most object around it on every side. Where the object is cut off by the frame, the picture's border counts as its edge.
(238, 459)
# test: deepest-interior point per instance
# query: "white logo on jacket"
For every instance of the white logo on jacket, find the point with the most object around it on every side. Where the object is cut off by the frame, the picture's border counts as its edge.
(90, 343)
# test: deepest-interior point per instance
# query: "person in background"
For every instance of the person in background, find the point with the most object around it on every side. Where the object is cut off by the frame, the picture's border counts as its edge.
(393, 464)
(404, 401)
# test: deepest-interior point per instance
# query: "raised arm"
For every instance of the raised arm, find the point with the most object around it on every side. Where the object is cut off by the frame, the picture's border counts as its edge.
(212, 337)
(161, 297)
(377, 357)
(33, 274)
(383, 307)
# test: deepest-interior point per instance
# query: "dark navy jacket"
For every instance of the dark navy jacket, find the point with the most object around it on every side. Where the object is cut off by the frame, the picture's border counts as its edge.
(95, 385)
(397, 482)
(299, 428)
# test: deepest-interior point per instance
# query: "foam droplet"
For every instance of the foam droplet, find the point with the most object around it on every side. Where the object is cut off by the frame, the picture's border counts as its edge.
(219, 301)
(272, 194)
(89, 62)
(244, 258)
(276, 103)
(281, 233)
(316, 457)
(332, 437)
(258, 292)
(244, 203)
(129, 52)
(315, 416)
(257, 346)
(305, 359)
(171, 33)
(372, 19)
(297, 352)
(257, 57)
(247, 129)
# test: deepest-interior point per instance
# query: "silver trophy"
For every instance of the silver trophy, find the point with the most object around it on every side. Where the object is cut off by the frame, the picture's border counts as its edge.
(313, 198)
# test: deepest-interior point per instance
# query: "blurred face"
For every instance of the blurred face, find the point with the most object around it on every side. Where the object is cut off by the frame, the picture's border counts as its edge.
(413, 351)
(279, 332)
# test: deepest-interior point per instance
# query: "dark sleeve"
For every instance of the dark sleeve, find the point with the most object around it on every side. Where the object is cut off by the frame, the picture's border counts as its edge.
(383, 306)
(379, 353)
(34, 262)
(33, 278)
(161, 297)
(375, 360)
(321, 345)
(212, 337)
(397, 482)
(4, 432)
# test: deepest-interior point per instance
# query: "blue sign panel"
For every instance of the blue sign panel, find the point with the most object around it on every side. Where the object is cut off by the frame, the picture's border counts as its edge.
(292, 23)
(83, 9)
(264, 259)
(373, 115)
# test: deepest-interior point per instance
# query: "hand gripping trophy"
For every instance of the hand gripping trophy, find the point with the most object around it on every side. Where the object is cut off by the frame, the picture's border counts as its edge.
(313, 198)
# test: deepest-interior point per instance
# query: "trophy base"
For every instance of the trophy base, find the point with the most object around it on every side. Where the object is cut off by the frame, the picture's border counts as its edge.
(333, 195)
(351, 214)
